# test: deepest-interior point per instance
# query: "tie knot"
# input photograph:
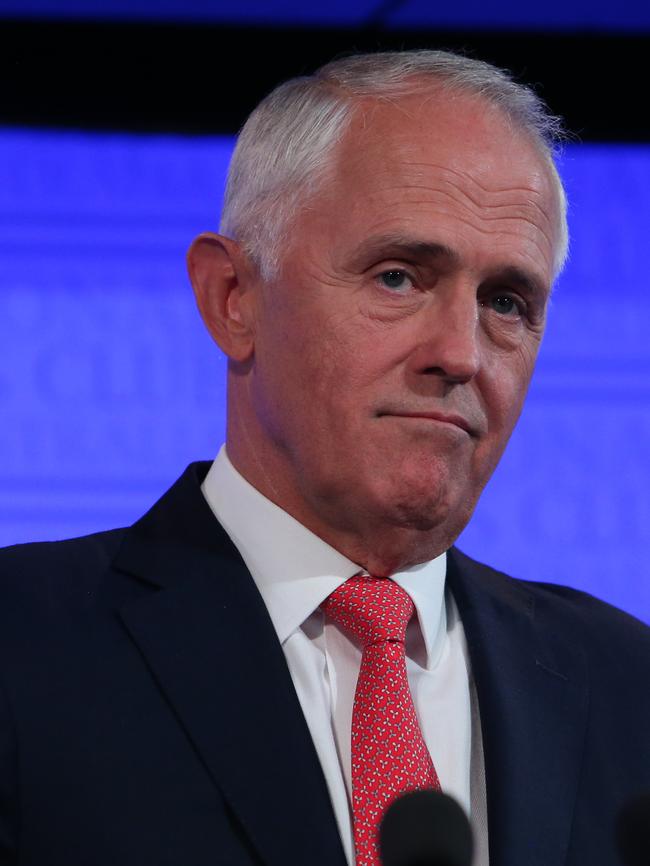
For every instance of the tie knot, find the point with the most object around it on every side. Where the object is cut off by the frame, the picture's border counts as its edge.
(373, 609)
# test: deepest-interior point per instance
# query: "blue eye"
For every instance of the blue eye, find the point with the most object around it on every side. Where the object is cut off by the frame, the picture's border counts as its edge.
(395, 280)
(505, 305)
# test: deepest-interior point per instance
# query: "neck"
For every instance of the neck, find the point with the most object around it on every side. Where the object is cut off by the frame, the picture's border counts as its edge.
(379, 547)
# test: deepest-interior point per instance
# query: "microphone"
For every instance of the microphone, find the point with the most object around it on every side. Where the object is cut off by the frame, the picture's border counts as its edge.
(633, 831)
(425, 828)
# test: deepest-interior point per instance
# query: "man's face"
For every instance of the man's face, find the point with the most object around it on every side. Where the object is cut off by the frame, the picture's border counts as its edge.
(393, 352)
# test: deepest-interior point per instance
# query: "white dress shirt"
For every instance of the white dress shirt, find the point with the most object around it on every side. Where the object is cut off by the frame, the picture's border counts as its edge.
(295, 571)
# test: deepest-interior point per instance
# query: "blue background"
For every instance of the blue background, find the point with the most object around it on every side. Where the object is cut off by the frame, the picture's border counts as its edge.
(109, 384)
(595, 15)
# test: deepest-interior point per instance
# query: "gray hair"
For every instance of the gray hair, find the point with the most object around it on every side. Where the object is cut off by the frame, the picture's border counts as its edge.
(289, 140)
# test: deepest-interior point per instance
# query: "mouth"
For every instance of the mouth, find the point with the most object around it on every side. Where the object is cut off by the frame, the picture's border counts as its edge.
(439, 417)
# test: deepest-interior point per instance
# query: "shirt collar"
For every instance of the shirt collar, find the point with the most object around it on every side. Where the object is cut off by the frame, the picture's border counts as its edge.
(425, 583)
(295, 570)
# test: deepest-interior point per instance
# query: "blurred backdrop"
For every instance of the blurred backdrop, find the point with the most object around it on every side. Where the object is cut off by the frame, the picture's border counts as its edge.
(117, 120)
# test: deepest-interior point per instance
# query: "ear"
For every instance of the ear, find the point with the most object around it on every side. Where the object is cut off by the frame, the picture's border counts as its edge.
(221, 277)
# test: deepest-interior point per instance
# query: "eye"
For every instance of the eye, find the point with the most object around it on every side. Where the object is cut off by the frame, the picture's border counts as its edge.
(396, 280)
(505, 305)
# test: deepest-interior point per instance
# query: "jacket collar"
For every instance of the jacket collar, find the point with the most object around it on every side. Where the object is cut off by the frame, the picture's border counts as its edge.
(531, 679)
(243, 719)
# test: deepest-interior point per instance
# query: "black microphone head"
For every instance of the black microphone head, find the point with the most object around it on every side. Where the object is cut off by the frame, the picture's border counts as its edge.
(633, 831)
(425, 828)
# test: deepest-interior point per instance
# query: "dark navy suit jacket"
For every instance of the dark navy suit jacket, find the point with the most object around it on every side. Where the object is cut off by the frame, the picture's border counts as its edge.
(147, 715)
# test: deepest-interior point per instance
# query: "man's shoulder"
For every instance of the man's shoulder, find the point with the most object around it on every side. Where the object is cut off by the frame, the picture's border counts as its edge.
(97, 547)
(55, 568)
(572, 611)
(81, 562)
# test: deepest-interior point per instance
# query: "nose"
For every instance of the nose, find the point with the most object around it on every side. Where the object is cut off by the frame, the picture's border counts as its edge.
(449, 336)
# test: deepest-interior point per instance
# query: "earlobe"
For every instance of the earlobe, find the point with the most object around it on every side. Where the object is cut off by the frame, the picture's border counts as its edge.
(220, 279)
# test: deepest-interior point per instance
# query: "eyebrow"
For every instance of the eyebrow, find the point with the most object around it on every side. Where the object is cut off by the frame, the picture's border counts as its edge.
(525, 280)
(400, 246)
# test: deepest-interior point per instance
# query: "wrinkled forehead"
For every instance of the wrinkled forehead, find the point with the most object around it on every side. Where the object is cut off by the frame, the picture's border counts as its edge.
(447, 127)
(409, 140)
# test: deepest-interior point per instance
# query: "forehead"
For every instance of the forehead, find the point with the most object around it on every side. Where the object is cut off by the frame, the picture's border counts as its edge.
(444, 164)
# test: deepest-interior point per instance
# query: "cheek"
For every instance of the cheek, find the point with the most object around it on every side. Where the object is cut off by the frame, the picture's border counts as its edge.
(332, 355)
(504, 391)
(303, 377)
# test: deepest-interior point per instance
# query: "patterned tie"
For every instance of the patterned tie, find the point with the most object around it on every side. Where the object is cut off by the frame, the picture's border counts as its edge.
(389, 756)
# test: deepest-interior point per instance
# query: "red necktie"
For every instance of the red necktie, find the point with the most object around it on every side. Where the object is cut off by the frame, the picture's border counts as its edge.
(389, 756)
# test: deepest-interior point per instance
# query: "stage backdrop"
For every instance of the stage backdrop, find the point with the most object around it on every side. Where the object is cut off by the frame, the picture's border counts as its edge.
(109, 385)
(593, 15)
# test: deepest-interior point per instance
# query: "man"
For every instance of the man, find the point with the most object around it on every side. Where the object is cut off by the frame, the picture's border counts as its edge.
(201, 688)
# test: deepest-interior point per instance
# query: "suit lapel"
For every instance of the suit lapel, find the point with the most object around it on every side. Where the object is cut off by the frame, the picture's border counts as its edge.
(532, 690)
(210, 644)
(246, 724)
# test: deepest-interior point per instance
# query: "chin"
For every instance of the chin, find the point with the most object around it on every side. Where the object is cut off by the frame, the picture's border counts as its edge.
(427, 501)
(423, 515)
(415, 530)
